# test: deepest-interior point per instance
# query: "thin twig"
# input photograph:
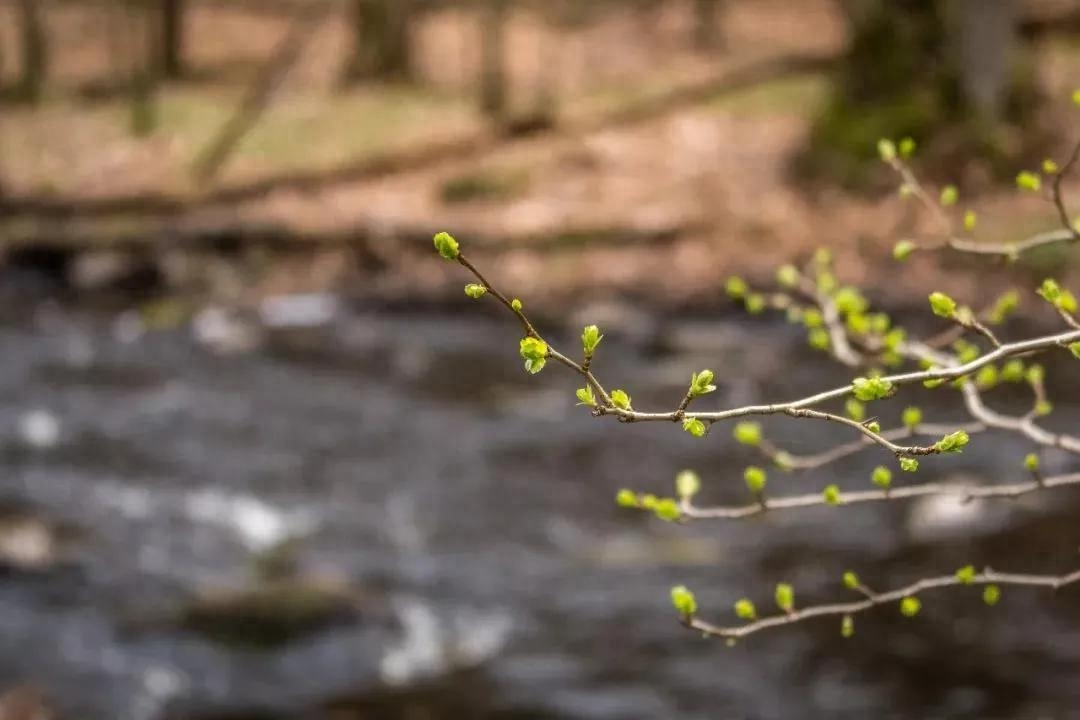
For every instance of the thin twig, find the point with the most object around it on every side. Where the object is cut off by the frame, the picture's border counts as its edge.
(986, 577)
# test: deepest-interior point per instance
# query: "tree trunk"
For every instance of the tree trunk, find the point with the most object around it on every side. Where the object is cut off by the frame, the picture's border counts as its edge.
(172, 38)
(382, 47)
(707, 29)
(926, 69)
(35, 51)
(142, 24)
(987, 34)
(493, 90)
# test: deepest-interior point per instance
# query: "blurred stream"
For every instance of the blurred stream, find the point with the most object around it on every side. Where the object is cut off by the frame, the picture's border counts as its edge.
(386, 517)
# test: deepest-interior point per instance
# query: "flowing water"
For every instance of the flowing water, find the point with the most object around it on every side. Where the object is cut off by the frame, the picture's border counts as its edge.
(387, 518)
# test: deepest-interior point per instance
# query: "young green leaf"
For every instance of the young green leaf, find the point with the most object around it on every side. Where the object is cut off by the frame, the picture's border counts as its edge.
(684, 601)
(747, 433)
(534, 351)
(1029, 181)
(620, 399)
(881, 477)
(701, 383)
(909, 464)
(475, 291)
(942, 305)
(586, 397)
(851, 580)
(687, 484)
(745, 609)
(953, 442)
(966, 574)
(785, 597)
(694, 426)
(831, 495)
(755, 479)
(910, 606)
(991, 595)
(590, 338)
(447, 245)
(871, 388)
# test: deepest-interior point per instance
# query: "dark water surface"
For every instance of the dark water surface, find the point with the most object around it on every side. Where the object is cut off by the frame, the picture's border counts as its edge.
(389, 519)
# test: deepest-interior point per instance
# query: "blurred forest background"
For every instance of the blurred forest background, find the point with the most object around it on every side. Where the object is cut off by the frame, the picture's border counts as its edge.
(229, 372)
(689, 131)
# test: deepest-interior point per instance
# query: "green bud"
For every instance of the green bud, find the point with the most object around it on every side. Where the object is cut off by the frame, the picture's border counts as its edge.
(590, 338)
(871, 388)
(1013, 371)
(534, 351)
(447, 246)
(783, 460)
(785, 597)
(849, 300)
(1074, 348)
(694, 426)
(1028, 181)
(1031, 462)
(787, 276)
(910, 606)
(911, 417)
(1049, 290)
(855, 410)
(736, 288)
(1043, 408)
(880, 323)
(745, 609)
(475, 291)
(873, 426)
(970, 220)
(894, 338)
(1004, 306)
(626, 498)
(620, 399)
(585, 396)
(667, 509)
(991, 595)
(812, 318)
(933, 383)
(516, 305)
(831, 495)
(942, 305)
(1076, 97)
(1035, 374)
(687, 484)
(702, 383)
(755, 479)
(949, 195)
(966, 574)
(908, 464)
(754, 303)
(907, 147)
(882, 477)
(747, 433)
(886, 150)
(851, 580)
(987, 377)
(648, 501)
(818, 339)
(953, 442)
(847, 627)
(1049, 167)
(684, 601)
